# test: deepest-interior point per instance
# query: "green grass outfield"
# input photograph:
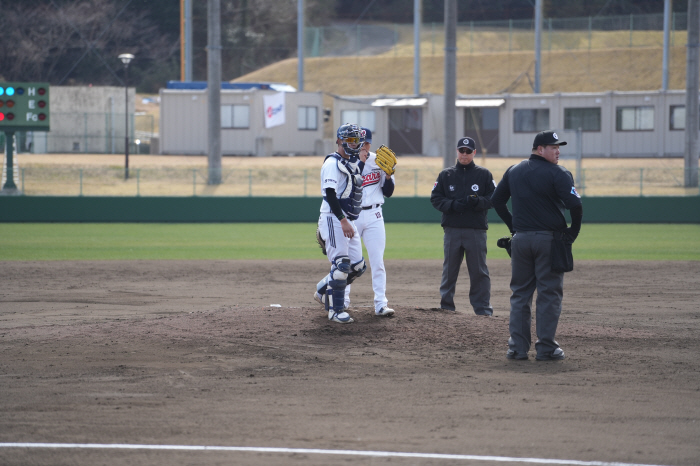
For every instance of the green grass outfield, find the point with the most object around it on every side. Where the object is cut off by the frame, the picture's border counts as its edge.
(284, 241)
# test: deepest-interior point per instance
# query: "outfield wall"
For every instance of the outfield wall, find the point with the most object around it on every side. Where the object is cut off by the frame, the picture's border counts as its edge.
(304, 209)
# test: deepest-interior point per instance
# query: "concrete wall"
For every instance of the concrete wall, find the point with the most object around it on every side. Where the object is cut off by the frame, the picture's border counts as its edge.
(86, 119)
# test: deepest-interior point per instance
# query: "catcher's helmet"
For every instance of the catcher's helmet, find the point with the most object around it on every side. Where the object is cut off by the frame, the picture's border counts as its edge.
(351, 138)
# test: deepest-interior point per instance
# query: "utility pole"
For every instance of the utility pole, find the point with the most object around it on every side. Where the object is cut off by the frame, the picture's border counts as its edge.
(691, 95)
(667, 39)
(417, 19)
(214, 89)
(538, 44)
(450, 82)
(186, 40)
(300, 45)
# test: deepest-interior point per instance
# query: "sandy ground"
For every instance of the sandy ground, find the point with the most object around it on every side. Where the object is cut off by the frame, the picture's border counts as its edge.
(192, 353)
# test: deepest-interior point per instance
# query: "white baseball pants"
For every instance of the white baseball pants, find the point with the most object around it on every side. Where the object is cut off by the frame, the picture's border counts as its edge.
(370, 226)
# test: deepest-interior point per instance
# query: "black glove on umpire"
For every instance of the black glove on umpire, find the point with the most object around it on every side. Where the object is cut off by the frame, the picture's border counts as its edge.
(459, 205)
(504, 243)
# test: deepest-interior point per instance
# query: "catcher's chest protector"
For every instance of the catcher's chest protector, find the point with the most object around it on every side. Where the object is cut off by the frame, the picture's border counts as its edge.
(351, 197)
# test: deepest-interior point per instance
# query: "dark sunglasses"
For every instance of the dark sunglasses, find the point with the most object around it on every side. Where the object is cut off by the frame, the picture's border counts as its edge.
(465, 150)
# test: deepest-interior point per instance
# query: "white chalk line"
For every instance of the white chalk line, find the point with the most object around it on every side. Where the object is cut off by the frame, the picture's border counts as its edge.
(315, 451)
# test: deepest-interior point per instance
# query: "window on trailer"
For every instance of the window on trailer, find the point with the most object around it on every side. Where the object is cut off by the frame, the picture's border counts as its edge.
(530, 120)
(588, 119)
(308, 118)
(235, 116)
(635, 118)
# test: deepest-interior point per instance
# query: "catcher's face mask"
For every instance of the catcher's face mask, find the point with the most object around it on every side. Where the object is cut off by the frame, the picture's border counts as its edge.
(350, 137)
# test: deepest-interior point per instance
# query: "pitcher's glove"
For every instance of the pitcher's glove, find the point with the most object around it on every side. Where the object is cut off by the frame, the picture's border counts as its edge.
(504, 243)
(386, 159)
(321, 243)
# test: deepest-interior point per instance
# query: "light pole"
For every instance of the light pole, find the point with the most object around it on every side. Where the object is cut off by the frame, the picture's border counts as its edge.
(126, 59)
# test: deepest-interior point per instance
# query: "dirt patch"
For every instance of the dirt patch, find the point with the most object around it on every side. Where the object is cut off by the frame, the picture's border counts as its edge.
(193, 353)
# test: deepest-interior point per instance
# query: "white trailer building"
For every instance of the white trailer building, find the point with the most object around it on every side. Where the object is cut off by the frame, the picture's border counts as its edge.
(613, 124)
(183, 123)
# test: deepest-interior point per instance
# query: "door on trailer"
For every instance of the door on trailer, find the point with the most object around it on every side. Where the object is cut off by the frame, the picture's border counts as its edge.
(481, 124)
(406, 130)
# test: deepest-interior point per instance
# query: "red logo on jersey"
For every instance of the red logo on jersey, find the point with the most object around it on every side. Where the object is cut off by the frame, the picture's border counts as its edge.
(371, 178)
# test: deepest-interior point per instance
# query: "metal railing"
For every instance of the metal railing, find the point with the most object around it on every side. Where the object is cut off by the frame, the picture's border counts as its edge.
(183, 181)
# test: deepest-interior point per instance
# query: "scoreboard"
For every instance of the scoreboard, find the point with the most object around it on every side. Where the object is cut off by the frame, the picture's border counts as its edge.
(24, 107)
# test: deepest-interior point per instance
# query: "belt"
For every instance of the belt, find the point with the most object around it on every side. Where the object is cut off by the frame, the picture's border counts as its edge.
(540, 232)
(374, 206)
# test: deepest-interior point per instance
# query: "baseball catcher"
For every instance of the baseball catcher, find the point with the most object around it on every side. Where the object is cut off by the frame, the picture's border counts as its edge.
(386, 160)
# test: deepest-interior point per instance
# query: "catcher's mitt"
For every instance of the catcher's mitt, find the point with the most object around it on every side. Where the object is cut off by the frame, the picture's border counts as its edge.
(386, 159)
(504, 243)
(321, 243)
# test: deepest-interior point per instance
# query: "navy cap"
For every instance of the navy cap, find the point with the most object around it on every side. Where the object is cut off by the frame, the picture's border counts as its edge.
(547, 138)
(466, 142)
(368, 135)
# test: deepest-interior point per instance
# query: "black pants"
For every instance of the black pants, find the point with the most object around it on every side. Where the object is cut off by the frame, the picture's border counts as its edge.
(460, 243)
(532, 269)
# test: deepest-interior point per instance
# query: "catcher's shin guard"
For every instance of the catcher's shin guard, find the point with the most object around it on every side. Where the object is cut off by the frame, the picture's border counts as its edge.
(335, 295)
(338, 280)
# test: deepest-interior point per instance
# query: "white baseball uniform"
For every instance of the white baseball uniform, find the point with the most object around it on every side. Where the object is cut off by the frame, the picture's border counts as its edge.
(370, 226)
(331, 231)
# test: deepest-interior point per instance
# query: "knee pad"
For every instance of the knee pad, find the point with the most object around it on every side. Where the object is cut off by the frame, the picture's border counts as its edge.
(341, 268)
(356, 270)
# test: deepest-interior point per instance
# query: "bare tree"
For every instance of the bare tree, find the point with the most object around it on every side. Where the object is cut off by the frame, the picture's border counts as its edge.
(69, 42)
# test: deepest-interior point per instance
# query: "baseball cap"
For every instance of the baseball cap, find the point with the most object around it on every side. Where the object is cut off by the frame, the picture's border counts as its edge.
(466, 142)
(547, 138)
(368, 135)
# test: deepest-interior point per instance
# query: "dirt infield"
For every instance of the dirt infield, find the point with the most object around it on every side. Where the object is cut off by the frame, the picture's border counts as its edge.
(192, 353)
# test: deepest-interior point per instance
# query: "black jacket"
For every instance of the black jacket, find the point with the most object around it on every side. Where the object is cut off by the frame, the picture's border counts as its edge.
(463, 194)
(541, 191)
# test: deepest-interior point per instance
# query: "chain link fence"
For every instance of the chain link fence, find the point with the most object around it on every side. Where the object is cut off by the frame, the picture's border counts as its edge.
(584, 33)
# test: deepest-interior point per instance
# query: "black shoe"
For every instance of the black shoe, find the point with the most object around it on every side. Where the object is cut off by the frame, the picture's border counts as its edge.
(512, 354)
(451, 311)
(556, 355)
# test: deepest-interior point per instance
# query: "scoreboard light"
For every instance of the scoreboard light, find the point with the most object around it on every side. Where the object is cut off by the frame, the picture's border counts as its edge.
(24, 107)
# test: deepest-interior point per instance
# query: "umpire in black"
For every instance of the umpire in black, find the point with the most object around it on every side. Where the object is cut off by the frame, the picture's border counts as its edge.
(540, 190)
(463, 194)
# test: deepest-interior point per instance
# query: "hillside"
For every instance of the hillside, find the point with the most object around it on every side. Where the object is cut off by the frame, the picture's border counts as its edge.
(621, 69)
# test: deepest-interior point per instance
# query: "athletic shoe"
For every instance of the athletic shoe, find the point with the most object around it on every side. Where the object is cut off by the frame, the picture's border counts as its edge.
(385, 311)
(340, 317)
(556, 355)
(512, 354)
